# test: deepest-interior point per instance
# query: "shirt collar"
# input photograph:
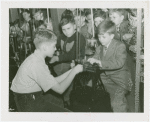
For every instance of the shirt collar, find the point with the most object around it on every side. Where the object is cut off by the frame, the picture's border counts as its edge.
(108, 44)
(42, 18)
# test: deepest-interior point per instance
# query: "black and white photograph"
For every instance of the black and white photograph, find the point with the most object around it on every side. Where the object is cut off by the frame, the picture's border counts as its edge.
(75, 59)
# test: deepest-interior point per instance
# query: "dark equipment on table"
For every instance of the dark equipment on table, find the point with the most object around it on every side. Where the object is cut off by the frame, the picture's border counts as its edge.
(84, 98)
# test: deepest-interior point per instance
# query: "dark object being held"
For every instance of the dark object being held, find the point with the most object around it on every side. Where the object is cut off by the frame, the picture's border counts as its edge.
(85, 98)
(87, 66)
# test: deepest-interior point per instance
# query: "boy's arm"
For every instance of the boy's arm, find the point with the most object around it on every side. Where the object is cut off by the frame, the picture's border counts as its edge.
(67, 79)
(63, 76)
(46, 81)
(117, 61)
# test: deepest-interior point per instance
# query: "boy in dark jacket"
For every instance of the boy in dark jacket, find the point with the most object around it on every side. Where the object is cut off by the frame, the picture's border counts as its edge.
(111, 55)
(67, 43)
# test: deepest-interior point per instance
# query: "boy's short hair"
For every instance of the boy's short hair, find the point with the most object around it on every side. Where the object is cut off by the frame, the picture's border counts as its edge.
(44, 35)
(121, 12)
(67, 19)
(25, 10)
(107, 26)
(100, 14)
(37, 12)
(87, 12)
(67, 13)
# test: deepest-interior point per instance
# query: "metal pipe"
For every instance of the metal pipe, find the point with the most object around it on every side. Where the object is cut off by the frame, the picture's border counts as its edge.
(77, 39)
(47, 15)
(92, 23)
(79, 36)
(138, 65)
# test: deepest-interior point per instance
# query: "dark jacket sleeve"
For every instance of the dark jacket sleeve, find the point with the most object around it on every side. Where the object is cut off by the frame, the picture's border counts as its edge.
(124, 27)
(58, 45)
(117, 61)
(71, 55)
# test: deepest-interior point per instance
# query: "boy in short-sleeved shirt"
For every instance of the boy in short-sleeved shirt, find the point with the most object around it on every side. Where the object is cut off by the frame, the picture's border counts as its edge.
(33, 78)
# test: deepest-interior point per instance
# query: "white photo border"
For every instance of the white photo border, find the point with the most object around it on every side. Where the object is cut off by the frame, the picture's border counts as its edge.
(39, 116)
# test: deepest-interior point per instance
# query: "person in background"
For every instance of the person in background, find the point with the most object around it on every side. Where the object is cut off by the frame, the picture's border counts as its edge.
(15, 28)
(27, 26)
(28, 32)
(89, 20)
(111, 56)
(98, 17)
(117, 17)
(39, 16)
(81, 24)
(67, 43)
(33, 79)
(131, 36)
(68, 12)
(130, 39)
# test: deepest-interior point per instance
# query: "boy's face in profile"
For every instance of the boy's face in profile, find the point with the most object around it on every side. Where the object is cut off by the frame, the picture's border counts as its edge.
(105, 38)
(79, 21)
(98, 20)
(50, 48)
(117, 18)
(68, 29)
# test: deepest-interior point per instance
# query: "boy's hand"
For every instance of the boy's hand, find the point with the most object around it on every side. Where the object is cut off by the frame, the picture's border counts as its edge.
(54, 59)
(93, 60)
(72, 64)
(78, 68)
(127, 36)
(133, 48)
